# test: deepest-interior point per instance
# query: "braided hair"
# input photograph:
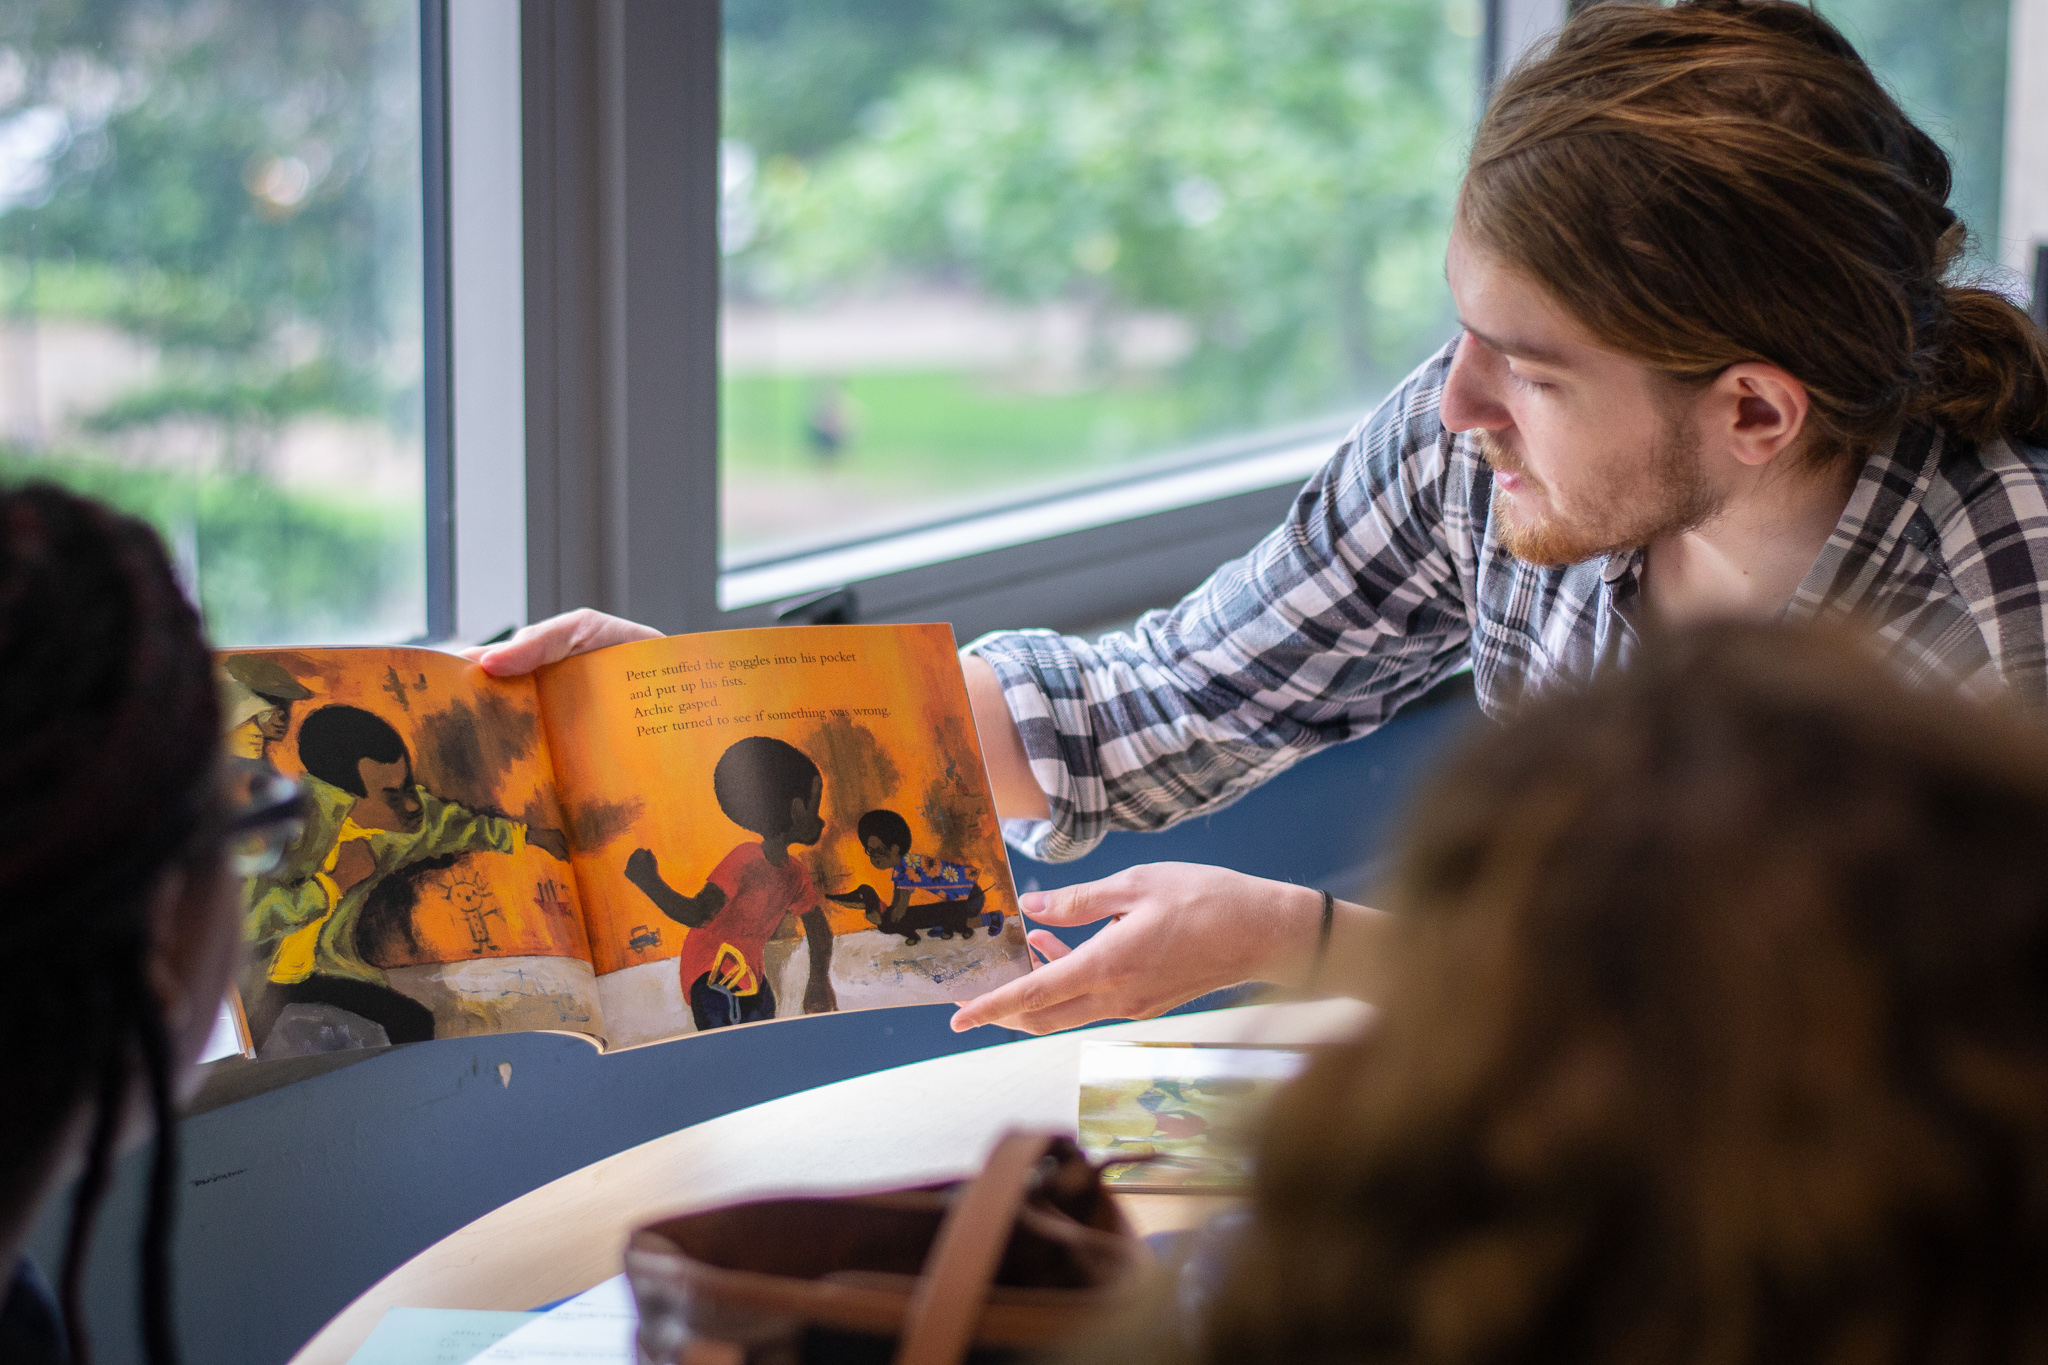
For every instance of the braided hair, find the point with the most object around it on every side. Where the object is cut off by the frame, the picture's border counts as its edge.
(108, 743)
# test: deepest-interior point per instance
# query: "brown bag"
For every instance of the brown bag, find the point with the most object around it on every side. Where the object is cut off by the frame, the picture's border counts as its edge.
(1019, 1259)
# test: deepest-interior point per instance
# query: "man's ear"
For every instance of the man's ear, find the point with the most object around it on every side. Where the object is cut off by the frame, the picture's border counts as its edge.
(1758, 410)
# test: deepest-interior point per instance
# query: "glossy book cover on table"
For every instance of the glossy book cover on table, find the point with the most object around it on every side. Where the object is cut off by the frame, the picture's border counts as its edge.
(1178, 1117)
(653, 840)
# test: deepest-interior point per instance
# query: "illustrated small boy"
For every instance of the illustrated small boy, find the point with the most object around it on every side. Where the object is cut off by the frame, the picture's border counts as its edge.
(958, 901)
(772, 789)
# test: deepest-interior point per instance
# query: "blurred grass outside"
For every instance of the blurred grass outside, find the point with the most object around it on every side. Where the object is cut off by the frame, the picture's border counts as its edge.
(921, 444)
(273, 564)
(957, 431)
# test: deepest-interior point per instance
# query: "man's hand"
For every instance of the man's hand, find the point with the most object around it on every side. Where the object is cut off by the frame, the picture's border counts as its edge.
(1178, 930)
(555, 639)
(553, 842)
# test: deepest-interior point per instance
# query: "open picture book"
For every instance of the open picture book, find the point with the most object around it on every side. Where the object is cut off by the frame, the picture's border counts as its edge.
(656, 839)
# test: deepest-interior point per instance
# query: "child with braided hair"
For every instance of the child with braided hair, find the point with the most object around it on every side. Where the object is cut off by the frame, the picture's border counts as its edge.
(122, 841)
(1712, 1026)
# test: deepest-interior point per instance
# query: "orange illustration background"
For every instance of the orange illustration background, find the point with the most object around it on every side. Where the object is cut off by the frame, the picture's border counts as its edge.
(476, 741)
(880, 728)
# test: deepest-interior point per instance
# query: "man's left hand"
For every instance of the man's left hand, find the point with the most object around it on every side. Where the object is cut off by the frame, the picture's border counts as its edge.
(1176, 931)
(555, 639)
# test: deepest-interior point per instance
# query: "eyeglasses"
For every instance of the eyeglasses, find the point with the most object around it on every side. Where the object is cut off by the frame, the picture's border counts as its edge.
(265, 824)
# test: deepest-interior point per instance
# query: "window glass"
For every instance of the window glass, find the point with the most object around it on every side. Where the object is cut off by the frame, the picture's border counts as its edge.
(1945, 60)
(973, 249)
(210, 293)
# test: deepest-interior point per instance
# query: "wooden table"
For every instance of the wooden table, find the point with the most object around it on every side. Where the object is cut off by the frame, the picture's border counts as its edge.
(932, 1120)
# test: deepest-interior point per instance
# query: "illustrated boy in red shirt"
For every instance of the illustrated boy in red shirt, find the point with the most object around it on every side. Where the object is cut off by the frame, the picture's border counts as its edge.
(774, 790)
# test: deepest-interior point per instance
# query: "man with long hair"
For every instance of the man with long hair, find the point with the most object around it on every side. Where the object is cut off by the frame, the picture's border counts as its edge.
(1714, 364)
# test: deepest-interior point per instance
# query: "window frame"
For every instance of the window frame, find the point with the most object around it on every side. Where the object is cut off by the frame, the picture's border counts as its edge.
(618, 474)
(487, 322)
(2023, 195)
(621, 301)
(437, 357)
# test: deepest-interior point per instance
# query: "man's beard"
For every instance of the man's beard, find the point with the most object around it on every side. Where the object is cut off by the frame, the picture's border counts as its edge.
(1672, 498)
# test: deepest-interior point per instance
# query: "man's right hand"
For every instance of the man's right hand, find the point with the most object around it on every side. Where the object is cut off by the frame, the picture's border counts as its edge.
(555, 639)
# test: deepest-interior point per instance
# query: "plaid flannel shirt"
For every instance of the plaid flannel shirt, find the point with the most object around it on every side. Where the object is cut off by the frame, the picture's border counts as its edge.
(1387, 578)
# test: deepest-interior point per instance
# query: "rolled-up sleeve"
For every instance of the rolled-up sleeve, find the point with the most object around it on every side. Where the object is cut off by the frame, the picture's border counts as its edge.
(1351, 608)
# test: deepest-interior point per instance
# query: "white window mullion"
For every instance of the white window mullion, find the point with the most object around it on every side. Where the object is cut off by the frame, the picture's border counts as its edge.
(487, 307)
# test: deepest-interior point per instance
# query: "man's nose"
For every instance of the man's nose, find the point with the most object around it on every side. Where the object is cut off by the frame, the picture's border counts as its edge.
(1471, 397)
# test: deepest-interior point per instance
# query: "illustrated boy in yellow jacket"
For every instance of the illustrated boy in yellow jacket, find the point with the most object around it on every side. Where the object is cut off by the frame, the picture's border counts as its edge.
(366, 818)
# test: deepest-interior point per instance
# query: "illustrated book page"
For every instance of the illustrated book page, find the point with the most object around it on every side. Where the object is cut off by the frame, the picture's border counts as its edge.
(782, 821)
(430, 893)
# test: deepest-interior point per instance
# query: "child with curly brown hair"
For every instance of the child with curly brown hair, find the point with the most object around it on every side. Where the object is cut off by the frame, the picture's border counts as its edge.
(1713, 1029)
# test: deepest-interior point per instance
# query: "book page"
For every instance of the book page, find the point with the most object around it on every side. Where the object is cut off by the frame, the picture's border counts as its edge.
(429, 894)
(780, 821)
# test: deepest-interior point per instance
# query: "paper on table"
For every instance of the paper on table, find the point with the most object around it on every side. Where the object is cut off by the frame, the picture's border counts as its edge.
(594, 1328)
(435, 1336)
(226, 1039)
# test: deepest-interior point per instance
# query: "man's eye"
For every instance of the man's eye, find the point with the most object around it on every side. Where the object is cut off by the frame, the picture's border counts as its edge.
(1523, 381)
